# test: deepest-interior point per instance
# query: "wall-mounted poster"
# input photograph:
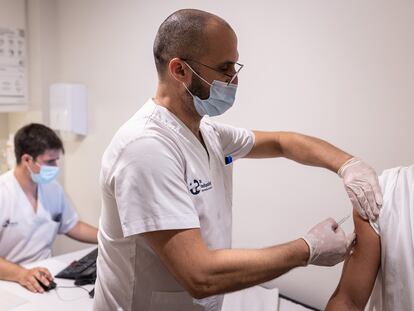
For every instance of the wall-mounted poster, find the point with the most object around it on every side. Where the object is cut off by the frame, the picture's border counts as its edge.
(13, 80)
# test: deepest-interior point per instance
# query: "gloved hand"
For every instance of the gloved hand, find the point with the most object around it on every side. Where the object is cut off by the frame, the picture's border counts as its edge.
(328, 243)
(362, 185)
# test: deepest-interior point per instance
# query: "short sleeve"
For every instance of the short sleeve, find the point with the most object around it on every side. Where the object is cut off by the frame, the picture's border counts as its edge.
(387, 181)
(150, 188)
(375, 225)
(236, 142)
(69, 216)
(3, 204)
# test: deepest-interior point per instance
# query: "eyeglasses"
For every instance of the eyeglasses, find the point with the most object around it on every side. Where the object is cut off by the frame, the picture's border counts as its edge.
(237, 68)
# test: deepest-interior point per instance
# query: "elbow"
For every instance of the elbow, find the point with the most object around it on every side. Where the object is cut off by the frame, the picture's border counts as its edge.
(351, 306)
(201, 286)
(199, 293)
(344, 304)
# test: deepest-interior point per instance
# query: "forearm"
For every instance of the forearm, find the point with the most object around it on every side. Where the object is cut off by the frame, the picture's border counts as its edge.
(84, 232)
(312, 151)
(234, 269)
(204, 272)
(342, 299)
(10, 271)
(298, 147)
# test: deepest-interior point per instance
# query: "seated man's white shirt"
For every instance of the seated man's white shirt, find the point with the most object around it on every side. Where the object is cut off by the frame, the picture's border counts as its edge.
(156, 175)
(26, 235)
(394, 286)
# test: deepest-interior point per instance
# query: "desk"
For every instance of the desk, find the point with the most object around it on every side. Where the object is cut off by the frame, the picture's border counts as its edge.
(61, 299)
(70, 299)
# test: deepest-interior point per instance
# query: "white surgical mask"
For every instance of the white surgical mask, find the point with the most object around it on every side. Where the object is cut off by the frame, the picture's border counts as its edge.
(222, 96)
(46, 174)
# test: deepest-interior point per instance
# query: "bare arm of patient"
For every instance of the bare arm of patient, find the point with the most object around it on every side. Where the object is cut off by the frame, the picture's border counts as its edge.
(359, 271)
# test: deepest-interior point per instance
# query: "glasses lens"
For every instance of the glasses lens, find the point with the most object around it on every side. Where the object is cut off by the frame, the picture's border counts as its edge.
(237, 68)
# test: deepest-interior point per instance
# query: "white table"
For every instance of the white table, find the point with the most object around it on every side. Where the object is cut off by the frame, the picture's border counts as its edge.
(76, 299)
(61, 299)
(253, 298)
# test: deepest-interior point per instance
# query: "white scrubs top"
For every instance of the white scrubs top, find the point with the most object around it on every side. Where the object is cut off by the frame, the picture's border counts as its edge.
(156, 175)
(394, 286)
(26, 235)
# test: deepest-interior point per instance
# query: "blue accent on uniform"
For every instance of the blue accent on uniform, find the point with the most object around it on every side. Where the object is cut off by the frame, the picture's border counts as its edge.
(228, 160)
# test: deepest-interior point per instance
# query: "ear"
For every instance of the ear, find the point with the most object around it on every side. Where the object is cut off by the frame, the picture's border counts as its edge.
(179, 70)
(26, 158)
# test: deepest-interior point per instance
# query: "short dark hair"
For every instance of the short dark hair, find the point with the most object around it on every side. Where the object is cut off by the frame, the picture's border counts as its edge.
(182, 34)
(34, 139)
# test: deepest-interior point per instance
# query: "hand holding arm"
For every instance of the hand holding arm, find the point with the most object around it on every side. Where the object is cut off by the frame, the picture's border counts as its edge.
(362, 185)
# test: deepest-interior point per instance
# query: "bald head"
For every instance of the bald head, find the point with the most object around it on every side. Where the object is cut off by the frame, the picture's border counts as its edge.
(184, 34)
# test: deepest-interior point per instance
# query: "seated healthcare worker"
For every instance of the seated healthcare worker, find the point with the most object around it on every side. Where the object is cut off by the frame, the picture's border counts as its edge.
(33, 208)
(383, 258)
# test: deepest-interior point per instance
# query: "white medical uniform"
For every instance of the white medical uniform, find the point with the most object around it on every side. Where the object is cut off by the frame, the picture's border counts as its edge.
(156, 175)
(394, 286)
(26, 235)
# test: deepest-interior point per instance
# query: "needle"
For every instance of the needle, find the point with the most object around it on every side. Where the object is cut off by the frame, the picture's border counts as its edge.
(343, 220)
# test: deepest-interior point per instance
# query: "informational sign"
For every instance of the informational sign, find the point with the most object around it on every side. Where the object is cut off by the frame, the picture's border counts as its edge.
(13, 80)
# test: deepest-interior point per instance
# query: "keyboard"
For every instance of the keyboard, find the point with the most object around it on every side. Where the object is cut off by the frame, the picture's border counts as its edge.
(82, 267)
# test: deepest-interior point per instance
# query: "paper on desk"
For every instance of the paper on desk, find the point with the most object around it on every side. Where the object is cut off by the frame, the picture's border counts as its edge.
(287, 305)
(270, 284)
(9, 300)
(253, 298)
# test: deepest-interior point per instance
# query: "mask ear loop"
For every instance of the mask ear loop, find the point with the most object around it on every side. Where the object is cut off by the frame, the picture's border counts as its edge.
(28, 167)
(196, 73)
(188, 89)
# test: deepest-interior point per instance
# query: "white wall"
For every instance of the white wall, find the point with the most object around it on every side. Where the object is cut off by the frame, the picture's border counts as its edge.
(340, 70)
(4, 123)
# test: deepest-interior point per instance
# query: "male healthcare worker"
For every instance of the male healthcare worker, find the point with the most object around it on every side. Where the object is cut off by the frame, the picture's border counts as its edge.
(166, 179)
(33, 208)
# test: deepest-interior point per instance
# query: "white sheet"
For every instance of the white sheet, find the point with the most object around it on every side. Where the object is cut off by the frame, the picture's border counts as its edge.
(253, 298)
(9, 300)
(393, 288)
(287, 305)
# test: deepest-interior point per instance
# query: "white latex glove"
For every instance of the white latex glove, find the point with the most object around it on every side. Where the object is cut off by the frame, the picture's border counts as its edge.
(362, 185)
(328, 243)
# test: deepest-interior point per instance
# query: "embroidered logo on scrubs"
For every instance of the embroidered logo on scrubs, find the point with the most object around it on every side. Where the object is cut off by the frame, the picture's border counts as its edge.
(57, 217)
(9, 223)
(197, 186)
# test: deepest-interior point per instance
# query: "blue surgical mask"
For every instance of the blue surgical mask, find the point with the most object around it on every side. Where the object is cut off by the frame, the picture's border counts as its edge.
(222, 96)
(46, 174)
